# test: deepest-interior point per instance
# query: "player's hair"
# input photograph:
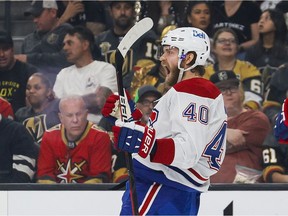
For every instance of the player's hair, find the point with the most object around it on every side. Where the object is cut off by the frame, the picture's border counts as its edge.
(199, 68)
(83, 33)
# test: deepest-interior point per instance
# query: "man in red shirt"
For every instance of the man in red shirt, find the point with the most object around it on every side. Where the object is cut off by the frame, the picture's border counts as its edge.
(75, 151)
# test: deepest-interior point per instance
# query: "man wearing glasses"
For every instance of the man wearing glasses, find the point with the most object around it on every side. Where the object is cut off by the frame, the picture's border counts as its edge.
(146, 98)
(246, 132)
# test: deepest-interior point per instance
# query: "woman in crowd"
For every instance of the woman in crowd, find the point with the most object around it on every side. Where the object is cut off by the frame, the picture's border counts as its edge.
(42, 110)
(199, 15)
(270, 51)
(225, 47)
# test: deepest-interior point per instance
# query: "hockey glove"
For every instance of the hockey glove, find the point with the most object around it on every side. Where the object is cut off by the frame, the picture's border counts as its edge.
(111, 109)
(281, 125)
(134, 138)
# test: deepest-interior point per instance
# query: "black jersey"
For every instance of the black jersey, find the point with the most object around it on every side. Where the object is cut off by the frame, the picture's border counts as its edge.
(144, 48)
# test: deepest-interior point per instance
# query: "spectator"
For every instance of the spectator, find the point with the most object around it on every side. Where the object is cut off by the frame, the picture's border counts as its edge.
(270, 51)
(242, 17)
(276, 94)
(74, 151)
(18, 153)
(90, 14)
(13, 73)
(92, 79)
(146, 98)
(246, 131)
(6, 109)
(225, 46)
(43, 47)
(163, 14)
(42, 110)
(198, 14)
(123, 15)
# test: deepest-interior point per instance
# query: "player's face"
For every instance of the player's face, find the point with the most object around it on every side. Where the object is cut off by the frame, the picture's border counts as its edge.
(6, 57)
(199, 16)
(225, 45)
(265, 23)
(46, 21)
(37, 92)
(169, 62)
(74, 48)
(123, 14)
(73, 115)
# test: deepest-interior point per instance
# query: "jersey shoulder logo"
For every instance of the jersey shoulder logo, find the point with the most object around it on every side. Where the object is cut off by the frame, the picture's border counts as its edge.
(153, 117)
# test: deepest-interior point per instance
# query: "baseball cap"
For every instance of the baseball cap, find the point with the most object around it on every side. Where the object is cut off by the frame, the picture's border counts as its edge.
(37, 7)
(225, 78)
(5, 39)
(145, 91)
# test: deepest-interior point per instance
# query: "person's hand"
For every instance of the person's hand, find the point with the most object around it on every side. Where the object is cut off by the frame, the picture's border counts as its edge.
(281, 124)
(236, 139)
(73, 8)
(285, 112)
(21, 57)
(111, 109)
(134, 138)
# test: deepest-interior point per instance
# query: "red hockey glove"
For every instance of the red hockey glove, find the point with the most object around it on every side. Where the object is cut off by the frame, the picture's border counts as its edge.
(285, 112)
(134, 138)
(112, 112)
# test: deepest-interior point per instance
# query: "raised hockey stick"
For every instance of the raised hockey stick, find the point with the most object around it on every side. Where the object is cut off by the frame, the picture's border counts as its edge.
(139, 29)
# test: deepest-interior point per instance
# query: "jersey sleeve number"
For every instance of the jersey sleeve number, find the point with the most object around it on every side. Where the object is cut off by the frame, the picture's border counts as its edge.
(269, 156)
(214, 149)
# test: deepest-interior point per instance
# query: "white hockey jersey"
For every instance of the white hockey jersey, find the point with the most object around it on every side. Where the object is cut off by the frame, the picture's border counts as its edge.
(192, 114)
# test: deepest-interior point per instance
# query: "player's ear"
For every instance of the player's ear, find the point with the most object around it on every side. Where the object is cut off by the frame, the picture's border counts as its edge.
(190, 58)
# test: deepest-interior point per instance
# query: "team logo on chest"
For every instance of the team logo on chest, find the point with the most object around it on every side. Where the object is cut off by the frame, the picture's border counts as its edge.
(36, 126)
(153, 117)
(70, 173)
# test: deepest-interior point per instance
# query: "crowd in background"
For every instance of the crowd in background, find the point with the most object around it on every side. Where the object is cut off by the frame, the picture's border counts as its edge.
(53, 92)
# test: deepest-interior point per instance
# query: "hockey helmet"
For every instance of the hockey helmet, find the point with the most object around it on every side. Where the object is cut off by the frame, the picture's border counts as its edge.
(188, 39)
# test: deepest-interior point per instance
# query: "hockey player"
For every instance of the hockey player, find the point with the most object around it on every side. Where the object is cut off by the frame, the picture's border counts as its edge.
(184, 141)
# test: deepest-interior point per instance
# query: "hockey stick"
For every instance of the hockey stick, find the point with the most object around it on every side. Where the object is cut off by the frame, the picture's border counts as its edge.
(139, 29)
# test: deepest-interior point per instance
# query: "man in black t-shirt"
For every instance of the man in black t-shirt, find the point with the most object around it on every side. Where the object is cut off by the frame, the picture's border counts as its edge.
(13, 73)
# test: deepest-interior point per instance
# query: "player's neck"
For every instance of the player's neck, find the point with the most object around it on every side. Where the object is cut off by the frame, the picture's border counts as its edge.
(190, 75)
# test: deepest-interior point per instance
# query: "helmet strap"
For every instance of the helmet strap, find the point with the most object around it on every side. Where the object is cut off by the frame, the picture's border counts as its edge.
(182, 70)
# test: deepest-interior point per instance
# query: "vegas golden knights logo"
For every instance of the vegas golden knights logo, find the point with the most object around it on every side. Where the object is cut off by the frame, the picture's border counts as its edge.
(36, 126)
(70, 172)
